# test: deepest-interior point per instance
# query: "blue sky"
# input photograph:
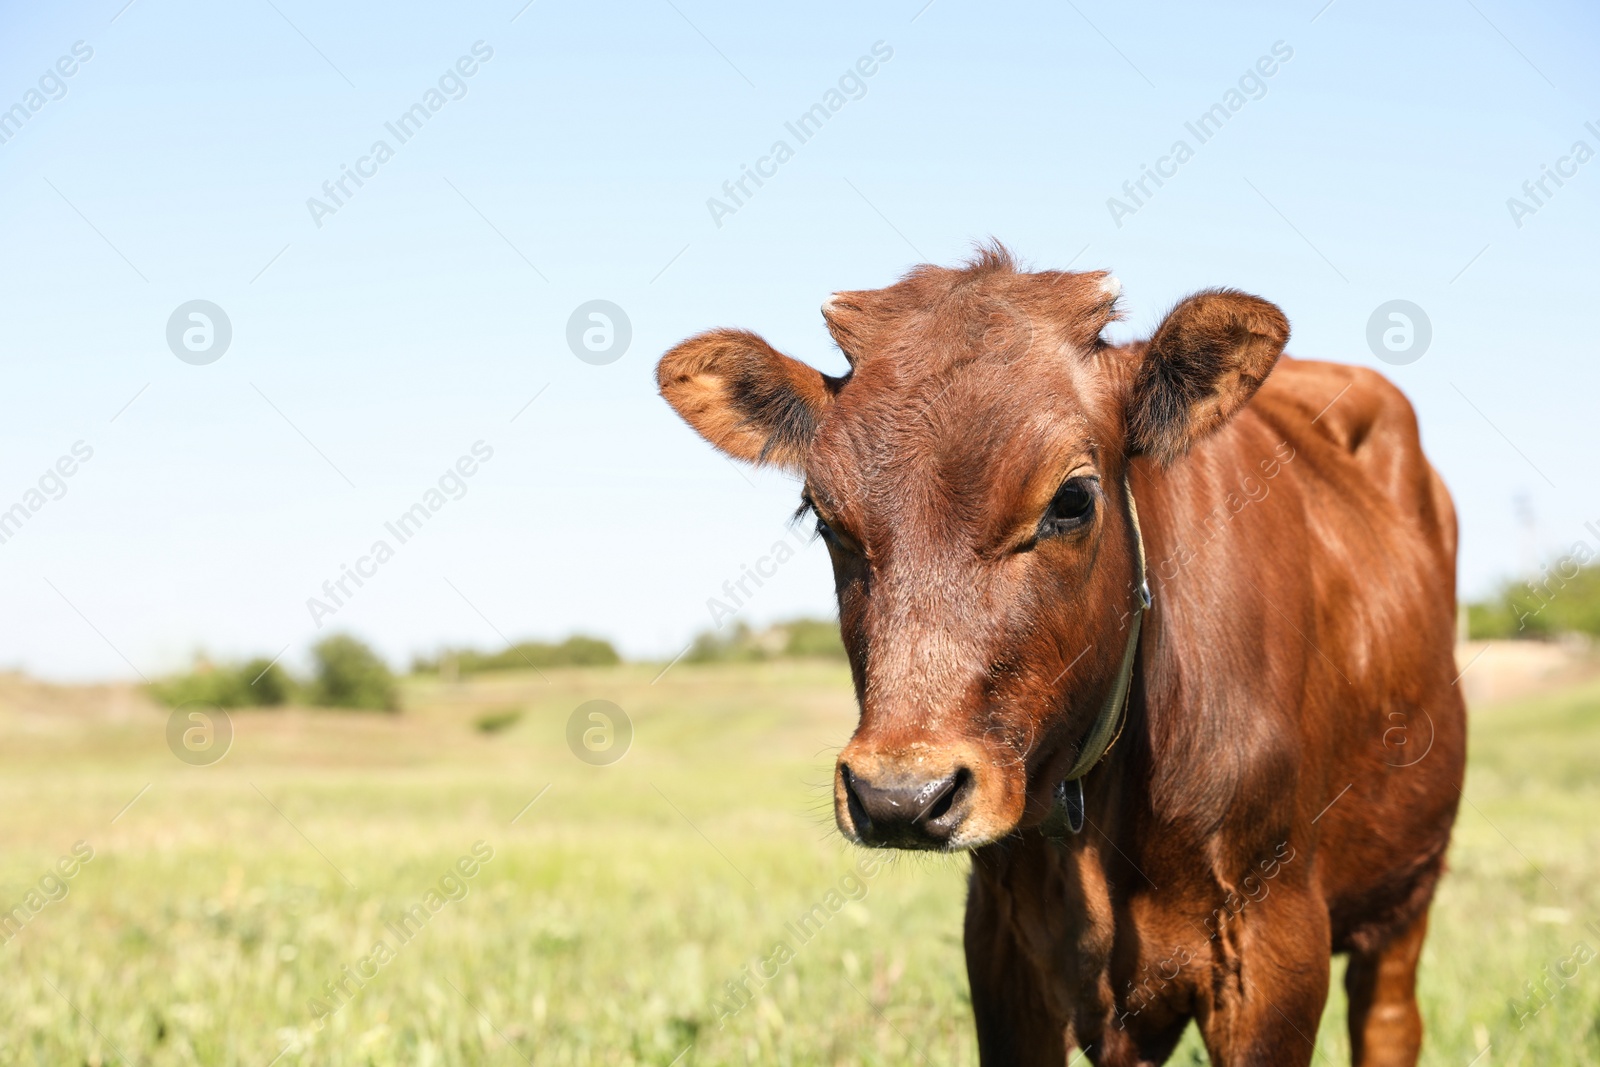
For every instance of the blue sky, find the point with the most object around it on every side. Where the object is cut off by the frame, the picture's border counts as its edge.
(371, 352)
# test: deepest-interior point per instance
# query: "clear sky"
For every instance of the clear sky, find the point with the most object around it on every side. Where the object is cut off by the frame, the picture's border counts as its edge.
(376, 338)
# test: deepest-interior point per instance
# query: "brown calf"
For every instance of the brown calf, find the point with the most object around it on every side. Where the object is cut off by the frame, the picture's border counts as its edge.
(1291, 742)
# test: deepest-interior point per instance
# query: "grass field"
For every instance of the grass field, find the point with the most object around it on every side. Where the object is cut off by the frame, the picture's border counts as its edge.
(224, 900)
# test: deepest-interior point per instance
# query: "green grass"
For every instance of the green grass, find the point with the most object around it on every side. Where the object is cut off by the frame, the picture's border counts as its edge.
(616, 906)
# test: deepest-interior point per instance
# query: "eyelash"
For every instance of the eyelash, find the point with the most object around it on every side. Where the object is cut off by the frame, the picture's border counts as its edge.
(822, 529)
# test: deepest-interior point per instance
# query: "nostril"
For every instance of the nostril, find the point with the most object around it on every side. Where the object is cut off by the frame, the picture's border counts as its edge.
(858, 811)
(960, 785)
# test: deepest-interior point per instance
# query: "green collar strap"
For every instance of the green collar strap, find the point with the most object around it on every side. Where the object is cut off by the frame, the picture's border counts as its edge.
(1067, 814)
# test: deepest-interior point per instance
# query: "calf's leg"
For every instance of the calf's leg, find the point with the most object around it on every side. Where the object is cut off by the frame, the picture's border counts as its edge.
(1009, 1003)
(1385, 1025)
(1264, 998)
(1014, 1027)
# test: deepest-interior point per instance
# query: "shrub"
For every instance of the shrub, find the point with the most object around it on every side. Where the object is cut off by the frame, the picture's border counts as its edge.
(794, 639)
(492, 722)
(813, 637)
(348, 675)
(1492, 619)
(737, 645)
(1563, 599)
(351, 675)
(257, 683)
(269, 683)
(575, 651)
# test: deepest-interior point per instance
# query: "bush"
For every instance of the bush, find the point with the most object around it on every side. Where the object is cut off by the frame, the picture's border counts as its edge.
(1492, 619)
(575, 651)
(270, 683)
(813, 637)
(1564, 599)
(257, 683)
(737, 645)
(492, 722)
(794, 639)
(351, 675)
(348, 675)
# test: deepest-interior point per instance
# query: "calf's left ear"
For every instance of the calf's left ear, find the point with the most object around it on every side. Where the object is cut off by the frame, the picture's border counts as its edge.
(1205, 361)
(745, 397)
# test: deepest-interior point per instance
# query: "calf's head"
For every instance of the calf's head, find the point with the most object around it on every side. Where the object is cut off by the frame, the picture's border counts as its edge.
(967, 475)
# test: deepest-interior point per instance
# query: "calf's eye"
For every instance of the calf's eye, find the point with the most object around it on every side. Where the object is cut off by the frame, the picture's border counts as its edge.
(1070, 509)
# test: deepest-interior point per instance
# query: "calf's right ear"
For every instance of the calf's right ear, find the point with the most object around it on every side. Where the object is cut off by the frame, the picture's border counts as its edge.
(1204, 362)
(745, 397)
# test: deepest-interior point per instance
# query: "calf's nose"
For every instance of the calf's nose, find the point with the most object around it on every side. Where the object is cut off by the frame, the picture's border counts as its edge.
(906, 812)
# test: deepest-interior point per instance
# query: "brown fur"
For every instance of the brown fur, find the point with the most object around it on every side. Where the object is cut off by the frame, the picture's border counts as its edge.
(1258, 812)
